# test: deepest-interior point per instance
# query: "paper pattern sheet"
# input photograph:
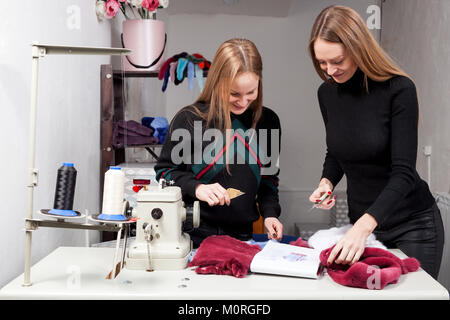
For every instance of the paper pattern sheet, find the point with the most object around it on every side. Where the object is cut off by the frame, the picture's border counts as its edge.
(286, 259)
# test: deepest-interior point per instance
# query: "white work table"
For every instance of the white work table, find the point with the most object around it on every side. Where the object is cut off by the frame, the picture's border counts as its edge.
(79, 273)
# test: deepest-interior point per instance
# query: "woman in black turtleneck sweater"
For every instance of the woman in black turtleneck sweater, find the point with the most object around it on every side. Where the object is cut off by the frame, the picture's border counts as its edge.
(370, 110)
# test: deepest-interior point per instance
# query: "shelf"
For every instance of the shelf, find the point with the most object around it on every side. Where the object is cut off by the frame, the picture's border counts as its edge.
(142, 74)
(148, 147)
(135, 74)
(46, 49)
(141, 146)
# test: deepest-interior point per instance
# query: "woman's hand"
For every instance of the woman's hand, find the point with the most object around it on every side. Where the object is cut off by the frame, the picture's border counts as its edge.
(214, 194)
(274, 228)
(350, 248)
(325, 187)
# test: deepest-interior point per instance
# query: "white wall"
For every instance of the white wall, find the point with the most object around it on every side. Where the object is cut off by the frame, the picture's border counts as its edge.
(416, 34)
(422, 48)
(67, 121)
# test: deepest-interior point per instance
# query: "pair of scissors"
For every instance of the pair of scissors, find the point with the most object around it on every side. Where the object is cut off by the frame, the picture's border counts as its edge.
(321, 200)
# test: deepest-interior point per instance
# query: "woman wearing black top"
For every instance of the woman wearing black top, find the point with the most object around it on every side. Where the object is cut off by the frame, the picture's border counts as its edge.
(228, 140)
(370, 110)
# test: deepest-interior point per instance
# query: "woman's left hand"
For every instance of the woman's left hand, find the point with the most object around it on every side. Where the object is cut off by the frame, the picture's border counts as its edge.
(274, 228)
(350, 248)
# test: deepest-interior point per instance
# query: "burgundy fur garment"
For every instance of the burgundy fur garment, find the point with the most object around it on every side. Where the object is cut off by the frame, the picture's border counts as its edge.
(300, 242)
(375, 269)
(224, 255)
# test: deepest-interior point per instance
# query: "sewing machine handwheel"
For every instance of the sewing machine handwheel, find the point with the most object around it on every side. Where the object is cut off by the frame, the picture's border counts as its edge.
(196, 214)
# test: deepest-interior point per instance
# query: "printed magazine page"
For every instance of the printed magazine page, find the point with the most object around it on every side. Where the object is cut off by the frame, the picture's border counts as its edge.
(286, 259)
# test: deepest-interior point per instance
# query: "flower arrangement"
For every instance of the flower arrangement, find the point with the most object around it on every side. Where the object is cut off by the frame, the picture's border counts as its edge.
(131, 9)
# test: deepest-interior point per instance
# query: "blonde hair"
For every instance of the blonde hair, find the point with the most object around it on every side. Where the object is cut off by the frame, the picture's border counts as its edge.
(233, 57)
(344, 25)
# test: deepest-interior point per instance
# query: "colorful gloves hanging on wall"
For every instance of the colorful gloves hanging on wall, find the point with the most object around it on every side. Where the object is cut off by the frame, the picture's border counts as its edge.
(184, 65)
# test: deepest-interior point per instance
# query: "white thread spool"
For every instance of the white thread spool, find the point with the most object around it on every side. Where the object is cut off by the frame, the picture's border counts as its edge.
(113, 192)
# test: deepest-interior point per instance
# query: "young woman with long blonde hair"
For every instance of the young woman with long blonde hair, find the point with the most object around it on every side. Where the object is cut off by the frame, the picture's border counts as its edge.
(370, 110)
(229, 112)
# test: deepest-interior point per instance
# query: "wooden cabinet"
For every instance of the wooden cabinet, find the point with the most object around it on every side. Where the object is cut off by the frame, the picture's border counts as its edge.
(112, 110)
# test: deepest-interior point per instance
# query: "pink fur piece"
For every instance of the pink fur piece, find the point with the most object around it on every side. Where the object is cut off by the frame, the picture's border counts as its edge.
(375, 269)
(300, 243)
(224, 255)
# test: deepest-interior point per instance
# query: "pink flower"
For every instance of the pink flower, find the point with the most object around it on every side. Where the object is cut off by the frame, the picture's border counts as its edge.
(112, 7)
(150, 5)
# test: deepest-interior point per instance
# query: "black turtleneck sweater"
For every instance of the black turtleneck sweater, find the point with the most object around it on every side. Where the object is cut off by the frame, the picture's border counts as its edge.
(247, 172)
(371, 137)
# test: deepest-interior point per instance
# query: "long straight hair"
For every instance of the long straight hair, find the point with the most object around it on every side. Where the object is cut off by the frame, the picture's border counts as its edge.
(233, 57)
(344, 25)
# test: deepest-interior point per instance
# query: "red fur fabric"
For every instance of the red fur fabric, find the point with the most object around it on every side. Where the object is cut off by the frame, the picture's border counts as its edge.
(375, 269)
(300, 243)
(224, 255)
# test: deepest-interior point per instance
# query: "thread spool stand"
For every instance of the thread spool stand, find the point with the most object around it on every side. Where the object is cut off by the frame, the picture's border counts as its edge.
(45, 213)
(39, 51)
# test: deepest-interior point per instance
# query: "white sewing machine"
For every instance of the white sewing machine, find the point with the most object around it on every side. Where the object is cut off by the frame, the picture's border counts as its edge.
(160, 243)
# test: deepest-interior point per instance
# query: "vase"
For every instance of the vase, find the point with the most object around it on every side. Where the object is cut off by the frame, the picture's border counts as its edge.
(146, 38)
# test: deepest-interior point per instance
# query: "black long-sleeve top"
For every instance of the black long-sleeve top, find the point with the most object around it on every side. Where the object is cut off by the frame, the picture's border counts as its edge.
(246, 171)
(371, 137)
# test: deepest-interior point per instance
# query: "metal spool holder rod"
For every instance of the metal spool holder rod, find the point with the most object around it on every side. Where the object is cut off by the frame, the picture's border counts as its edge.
(39, 51)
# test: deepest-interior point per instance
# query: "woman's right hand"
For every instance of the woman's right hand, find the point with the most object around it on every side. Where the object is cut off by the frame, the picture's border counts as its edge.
(214, 194)
(325, 187)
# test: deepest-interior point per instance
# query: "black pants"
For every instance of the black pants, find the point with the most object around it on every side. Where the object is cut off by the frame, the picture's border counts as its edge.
(207, 229)
(421, 237)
